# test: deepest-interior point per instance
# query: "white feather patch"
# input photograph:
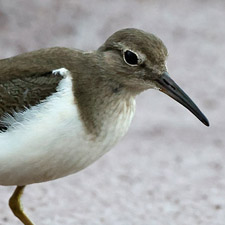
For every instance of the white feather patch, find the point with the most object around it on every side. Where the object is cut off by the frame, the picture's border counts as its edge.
(49, 141)
(62, 71)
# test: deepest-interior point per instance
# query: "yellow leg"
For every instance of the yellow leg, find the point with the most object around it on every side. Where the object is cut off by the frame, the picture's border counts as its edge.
(16, 206)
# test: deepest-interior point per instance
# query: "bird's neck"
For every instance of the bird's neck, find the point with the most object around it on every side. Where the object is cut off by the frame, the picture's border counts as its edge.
(101, 101)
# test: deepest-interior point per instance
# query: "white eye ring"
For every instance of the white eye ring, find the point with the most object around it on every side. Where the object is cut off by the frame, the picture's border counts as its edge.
(131, 58)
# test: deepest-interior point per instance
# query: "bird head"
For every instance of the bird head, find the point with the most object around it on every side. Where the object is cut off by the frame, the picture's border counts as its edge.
(137, 61)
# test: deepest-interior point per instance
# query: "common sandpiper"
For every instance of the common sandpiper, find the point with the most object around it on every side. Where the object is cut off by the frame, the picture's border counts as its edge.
(61, 109)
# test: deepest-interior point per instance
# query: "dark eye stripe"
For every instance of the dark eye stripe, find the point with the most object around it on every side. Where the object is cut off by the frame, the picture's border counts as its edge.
(130, 57)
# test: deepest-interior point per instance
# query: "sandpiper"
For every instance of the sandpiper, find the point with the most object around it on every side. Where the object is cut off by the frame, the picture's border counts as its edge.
(61, 109)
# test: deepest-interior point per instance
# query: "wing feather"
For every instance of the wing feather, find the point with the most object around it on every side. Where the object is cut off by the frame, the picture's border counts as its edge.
(21, 93)
(29, 78)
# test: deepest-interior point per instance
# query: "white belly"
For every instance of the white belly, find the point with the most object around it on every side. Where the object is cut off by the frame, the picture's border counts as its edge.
(52, 142)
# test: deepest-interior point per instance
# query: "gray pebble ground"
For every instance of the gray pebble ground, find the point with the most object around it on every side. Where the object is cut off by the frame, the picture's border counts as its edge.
(169, 169)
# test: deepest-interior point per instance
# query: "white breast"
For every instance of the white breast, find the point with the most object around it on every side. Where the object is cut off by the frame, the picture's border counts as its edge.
(49, 140)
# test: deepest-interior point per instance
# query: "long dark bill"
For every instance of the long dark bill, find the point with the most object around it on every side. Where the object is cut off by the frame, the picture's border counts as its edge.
(169, 87)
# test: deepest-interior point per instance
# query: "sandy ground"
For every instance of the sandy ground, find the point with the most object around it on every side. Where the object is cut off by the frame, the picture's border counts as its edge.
(169, 169)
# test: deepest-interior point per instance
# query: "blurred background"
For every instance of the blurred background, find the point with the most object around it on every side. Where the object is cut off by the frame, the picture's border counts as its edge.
(169, 169)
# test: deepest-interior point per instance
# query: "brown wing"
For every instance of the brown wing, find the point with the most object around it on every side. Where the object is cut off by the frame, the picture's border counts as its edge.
(27, 79)
(20, 93)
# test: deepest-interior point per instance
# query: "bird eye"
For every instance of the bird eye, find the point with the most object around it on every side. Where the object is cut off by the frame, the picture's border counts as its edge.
(130, 58)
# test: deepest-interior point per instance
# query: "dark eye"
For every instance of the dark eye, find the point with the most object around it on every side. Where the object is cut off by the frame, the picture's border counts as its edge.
(130, 58)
